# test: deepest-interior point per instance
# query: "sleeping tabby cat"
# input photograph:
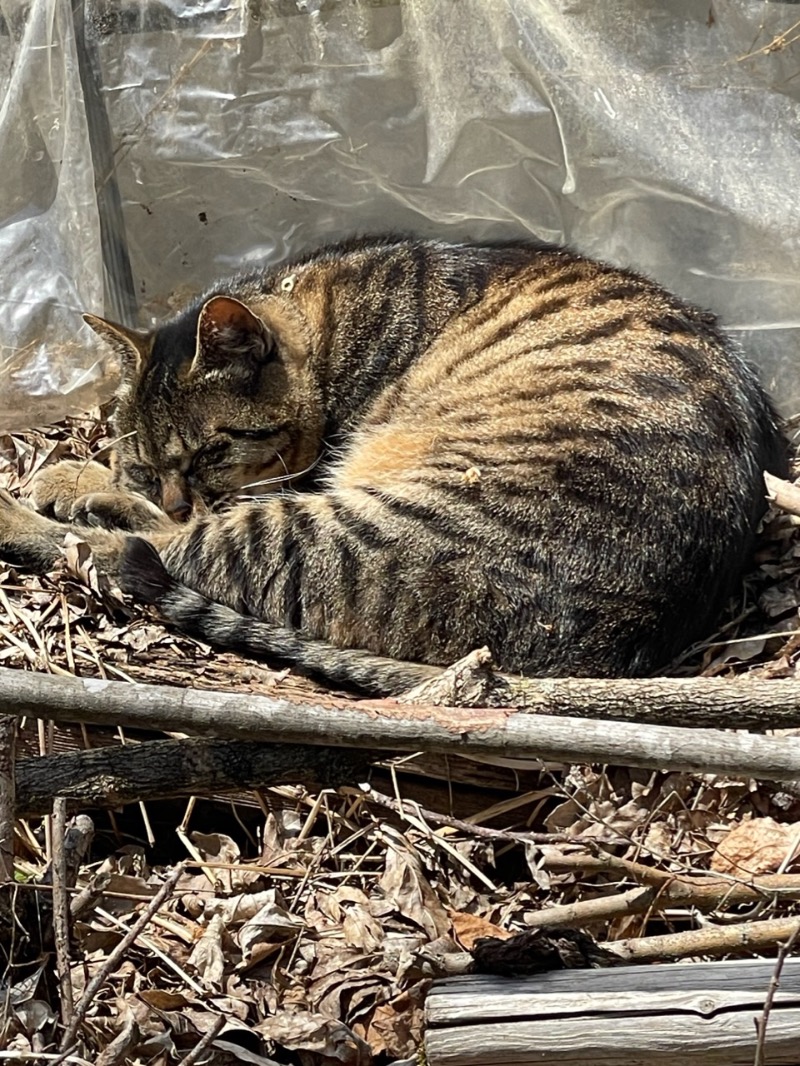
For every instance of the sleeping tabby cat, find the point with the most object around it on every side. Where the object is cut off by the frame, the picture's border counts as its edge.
(502, 444)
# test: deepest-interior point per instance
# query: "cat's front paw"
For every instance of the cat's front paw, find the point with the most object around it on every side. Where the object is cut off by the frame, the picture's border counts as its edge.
(27, 539)
(57, 489)
(118, 510)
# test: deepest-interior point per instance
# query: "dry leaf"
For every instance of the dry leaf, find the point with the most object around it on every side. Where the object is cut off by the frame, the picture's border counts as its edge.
(80, 562)
(161, 999)
(33, 1015)
(239, 908)
(236, 1051)
(409, 890)
(331, 1040)
(270, 927)
(216, 847)
(758, 846)
(396, 1028)
(350, 907)
(208, 956)
(470, 927)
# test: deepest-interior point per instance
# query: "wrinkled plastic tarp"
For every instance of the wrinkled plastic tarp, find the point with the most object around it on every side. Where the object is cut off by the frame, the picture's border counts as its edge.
(149, 146)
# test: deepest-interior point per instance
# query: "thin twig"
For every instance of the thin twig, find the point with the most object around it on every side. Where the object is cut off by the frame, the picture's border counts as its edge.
(212, 1034)
(418, 820)
(470, 828)
(775, 980)
(51, 1057)
(61, 909)
(149, 945)
(120, 1050)
(116, 955)
(777, 44)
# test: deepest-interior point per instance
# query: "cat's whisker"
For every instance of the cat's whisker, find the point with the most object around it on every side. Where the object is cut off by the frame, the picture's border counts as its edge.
(111, 444)
(280, 479)
(282, 462)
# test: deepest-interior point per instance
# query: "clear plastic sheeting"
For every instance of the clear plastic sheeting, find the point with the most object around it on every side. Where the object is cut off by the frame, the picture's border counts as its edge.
(150, 146)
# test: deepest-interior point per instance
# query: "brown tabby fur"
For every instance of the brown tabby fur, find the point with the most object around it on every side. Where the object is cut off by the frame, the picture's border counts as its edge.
(475, 444)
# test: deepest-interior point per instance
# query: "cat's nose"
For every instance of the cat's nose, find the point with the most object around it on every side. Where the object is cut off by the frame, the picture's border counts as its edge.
(180, 511)
(175, 501)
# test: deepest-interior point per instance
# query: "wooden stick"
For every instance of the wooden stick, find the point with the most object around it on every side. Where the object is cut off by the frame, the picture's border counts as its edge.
(698, 701)
(783, 494)
(599, 909)
(122, 1047)
(761, 1025)
(388, 725)
(205, 1041)
(155, 769)
(704, 890)
(745, 937)
(8, 917)
(8, 734)
(114, 957)
(715, 702)
(61, 925)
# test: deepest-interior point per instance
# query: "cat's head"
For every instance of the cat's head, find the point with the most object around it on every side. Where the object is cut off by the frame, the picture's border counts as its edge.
(219, 402)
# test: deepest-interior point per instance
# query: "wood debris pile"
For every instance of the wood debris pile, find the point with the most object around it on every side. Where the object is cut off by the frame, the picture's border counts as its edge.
(306, 926)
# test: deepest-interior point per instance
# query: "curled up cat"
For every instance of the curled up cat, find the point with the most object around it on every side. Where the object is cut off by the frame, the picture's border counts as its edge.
(375, 458)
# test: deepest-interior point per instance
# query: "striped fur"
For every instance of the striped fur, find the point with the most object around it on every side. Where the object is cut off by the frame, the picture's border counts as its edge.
(514, 446)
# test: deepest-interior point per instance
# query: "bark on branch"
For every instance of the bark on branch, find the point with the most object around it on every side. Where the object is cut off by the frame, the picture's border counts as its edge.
(156, 769)
(715, 940)
(498, 732)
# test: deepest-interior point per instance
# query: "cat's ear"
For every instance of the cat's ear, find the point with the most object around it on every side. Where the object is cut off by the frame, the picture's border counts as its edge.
(132, 346)
(230, 336)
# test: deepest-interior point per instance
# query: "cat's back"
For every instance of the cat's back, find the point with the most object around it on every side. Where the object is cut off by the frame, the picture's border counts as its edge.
(562, 355)
(559, 327)
(590, 448)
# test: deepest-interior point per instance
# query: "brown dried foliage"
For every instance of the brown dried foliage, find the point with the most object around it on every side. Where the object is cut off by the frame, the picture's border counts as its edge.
(308, 926)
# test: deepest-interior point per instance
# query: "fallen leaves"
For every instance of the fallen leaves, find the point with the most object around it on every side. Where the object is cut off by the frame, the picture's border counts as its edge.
(404, 884)
(467, 928)
(304, 929)
(757, 846)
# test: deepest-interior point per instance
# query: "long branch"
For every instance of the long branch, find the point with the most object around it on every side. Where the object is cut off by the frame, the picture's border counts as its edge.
(392, 726)
(743, 938)
(155, 769)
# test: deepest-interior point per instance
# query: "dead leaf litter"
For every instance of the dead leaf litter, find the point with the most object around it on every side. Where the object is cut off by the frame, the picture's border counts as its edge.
(309, 926)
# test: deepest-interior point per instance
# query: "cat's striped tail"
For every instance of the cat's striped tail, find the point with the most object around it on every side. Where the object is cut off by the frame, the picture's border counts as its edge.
(143, 575)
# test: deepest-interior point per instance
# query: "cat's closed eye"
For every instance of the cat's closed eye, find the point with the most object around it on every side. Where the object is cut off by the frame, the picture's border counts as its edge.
(211, 454)
(257, 433)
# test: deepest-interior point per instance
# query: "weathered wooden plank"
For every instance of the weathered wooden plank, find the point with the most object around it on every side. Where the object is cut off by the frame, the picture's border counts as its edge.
(660, 1015)
(746, 974)
(472, 1008)
(672, 1039)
